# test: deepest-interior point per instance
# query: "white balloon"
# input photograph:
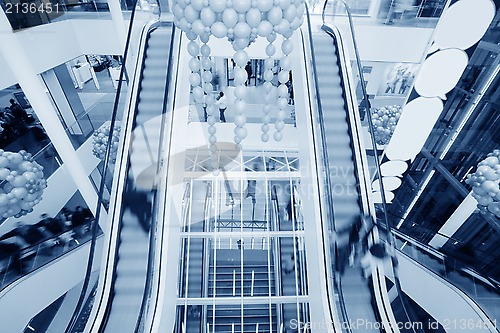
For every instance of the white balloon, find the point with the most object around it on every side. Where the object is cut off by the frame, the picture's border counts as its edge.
(240, 92)
(217, 6)
(283, 90)
(240, 43)
(241, 58)
(266, 119)
(268, 76)
(286, 63)
(284, 4)
(191, 14)
(242, 6)
(194, 64)
(268, 63)
(205, 50)
(239, 106)
(193, 49)
(281, 115)
(284, 27)
(242, 30)
(283, 76)
(197, 4)
(270, 50)
(282, 103)
(178, 11)
(268, 86)
(278, 136)
(290, 13)
(279, 125)
(287, 47)
(265, 128)
(212, 130)
(264, 5)
(219, 30)
(194, 79)
(240, 76)
(253, 17)
(274, 16)
(198, 27)
(229, 17)
(240, 120)
(207, 76)
(212, 139)
(264, 137)
(241, 132)
(207, 16)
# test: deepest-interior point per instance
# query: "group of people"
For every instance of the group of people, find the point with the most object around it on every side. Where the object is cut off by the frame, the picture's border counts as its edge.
(47, 228)
(221, 102)
(15, 122)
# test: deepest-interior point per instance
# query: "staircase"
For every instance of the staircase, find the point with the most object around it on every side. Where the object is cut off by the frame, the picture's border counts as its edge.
(344, 192)
(228, 276)
(228, 318)
(131, 267)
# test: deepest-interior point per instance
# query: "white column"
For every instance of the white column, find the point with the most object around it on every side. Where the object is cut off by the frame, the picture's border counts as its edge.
(34, 89)
(117, 16)
(456, 220)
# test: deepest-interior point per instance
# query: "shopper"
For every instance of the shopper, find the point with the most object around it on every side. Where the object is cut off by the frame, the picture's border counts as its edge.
(222, 103)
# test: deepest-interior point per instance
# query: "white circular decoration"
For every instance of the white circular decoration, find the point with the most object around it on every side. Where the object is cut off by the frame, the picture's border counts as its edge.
(390, 183)
(393, 168)
(440, 73)
(464, 23)
(377, 198)
(416, 123)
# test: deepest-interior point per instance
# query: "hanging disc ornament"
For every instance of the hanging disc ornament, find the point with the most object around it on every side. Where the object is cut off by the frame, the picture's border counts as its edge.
(21, 183)
(100, 142)
(485, 184)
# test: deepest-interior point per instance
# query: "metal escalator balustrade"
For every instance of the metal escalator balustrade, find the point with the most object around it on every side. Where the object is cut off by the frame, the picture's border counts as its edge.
(482, 291)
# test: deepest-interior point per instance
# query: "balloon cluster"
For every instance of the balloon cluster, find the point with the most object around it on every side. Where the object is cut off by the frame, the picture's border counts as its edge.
(21, 183)
(384, 122)
(100, 142)
(485, 184)
(241, 21)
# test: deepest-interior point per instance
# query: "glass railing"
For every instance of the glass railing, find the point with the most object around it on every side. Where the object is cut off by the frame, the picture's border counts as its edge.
(481, 289)
(125, 98)
(31, 13)
(391, 13)
(18, 261)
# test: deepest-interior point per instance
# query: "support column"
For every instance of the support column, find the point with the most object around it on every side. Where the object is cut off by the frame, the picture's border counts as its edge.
(456, 220)
(34, 89)
(117, 16)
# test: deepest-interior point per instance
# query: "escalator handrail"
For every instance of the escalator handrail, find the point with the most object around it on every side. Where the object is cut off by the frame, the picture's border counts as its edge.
(107, 162)
(152, 230)
(330, 210)
(386, 225)
(175, 46)
(463, 267)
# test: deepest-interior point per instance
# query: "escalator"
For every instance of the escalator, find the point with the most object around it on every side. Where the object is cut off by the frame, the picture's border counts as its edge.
(124, 290)
(132, 254)
(342, 150)
(341, 159)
